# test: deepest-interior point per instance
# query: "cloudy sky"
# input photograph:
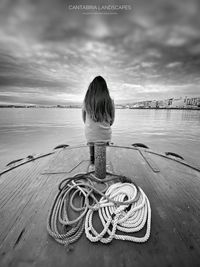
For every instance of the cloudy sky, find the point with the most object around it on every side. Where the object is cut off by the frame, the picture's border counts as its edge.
(50, 52)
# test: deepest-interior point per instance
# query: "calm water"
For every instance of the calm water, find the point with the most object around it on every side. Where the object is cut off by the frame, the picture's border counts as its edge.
(32, 131)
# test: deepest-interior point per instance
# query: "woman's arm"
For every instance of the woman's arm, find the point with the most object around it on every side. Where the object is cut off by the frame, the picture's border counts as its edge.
(113, 113)
(83, 114)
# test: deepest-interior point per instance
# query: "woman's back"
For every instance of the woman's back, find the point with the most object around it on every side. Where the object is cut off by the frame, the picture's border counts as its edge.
(98, 112)
(97, 131)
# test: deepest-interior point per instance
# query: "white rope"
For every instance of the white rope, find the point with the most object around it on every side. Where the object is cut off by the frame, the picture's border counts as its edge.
(124, 218)
(123, 210)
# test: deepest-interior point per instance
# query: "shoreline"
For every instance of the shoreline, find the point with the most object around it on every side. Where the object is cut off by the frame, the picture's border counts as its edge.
(78, 107)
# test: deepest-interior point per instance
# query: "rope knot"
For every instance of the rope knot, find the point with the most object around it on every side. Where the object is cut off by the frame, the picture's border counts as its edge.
(120, 209)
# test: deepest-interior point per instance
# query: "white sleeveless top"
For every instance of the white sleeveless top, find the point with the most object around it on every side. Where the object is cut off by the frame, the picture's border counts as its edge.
(97, 131)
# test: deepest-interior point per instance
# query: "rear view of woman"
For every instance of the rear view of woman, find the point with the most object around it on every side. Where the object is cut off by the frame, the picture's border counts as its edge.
(98, 114)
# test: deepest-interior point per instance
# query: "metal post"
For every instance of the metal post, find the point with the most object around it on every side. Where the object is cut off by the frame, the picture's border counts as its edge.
(100, 160)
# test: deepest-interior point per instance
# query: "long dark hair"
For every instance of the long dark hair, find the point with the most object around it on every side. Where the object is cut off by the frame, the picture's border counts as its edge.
(97, 102)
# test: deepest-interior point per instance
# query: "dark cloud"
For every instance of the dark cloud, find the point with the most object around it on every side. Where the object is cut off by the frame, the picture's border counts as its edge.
(49, 54)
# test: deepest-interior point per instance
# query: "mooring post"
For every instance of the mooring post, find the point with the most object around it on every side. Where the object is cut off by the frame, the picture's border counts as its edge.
(100, 160)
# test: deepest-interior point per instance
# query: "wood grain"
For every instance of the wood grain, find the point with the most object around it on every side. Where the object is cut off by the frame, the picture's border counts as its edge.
(26, 196)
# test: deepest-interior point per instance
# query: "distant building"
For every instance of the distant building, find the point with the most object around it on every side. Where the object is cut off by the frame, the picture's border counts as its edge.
(194, 101)
(181, 102)
(169, 101)
(161, 104)
(178, 103)
(147, 104)
(153, 104)
(136, 105)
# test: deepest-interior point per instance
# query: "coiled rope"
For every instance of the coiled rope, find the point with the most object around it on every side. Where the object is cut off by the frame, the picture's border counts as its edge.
(122, 207)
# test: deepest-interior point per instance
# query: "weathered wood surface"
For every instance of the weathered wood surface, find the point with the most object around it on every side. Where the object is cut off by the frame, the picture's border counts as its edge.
(26, 196)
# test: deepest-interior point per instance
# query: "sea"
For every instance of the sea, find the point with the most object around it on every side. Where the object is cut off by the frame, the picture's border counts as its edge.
(32, 131)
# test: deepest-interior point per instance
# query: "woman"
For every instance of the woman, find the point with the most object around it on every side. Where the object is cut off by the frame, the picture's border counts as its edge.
(98, 114)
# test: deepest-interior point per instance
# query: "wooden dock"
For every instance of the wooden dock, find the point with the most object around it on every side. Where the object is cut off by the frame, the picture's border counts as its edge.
(27, 193)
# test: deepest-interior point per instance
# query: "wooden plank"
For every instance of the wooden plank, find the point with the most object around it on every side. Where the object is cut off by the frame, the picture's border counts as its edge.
(158, 190)
(34, 194)
(33, 214)
(142, 255)
(15, 203)
(149, 161)
(171, 243)
(67, 159)
(183, 191)
(34, 225)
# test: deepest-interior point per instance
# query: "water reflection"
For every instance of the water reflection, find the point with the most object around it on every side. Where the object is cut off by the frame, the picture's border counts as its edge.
(191, 115)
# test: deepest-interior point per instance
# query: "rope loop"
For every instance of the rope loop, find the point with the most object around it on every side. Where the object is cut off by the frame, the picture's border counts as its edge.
(121, 206)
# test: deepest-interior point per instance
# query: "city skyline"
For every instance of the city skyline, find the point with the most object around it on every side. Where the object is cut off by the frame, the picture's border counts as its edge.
(49, 54)
(182, 102)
